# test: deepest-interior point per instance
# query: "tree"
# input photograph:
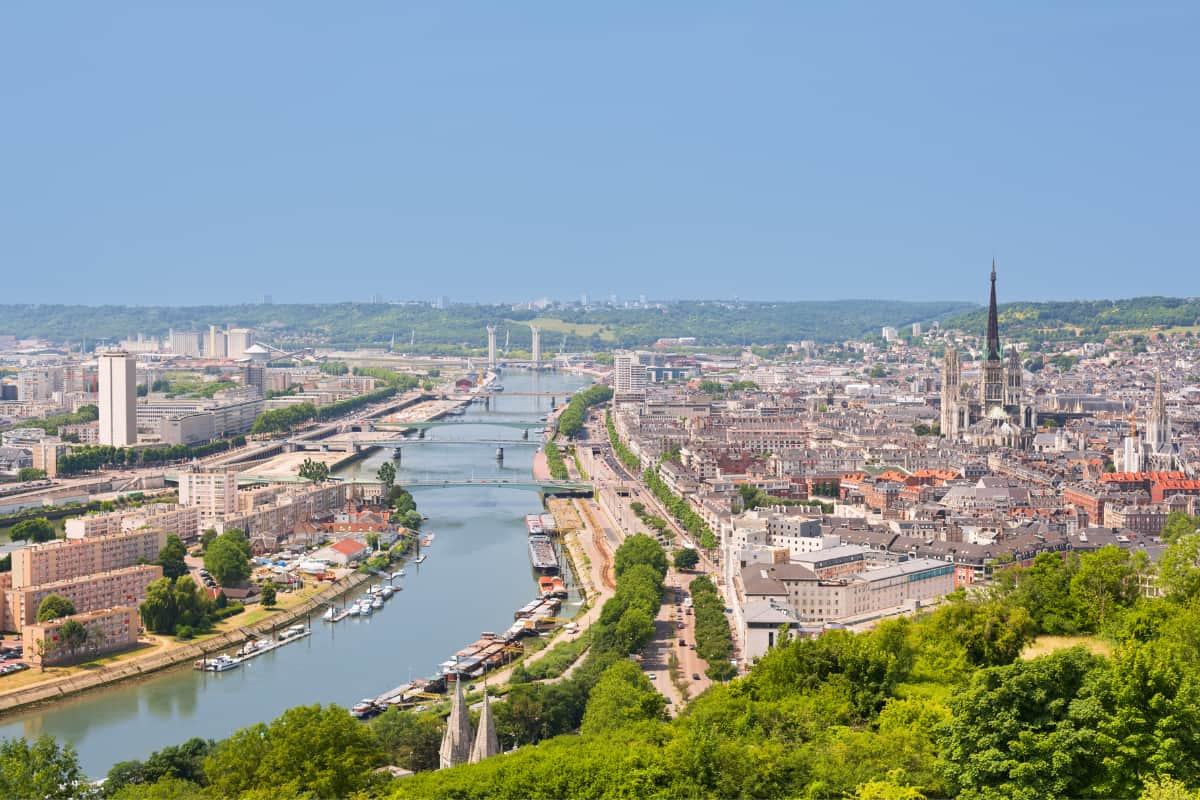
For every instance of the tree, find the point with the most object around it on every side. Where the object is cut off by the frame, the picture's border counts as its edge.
(318, 751)
(1107, 579)
(1178, 570)
(30, 474)
(158, 609)
(171, 558)
(411, 739)
(412, 519)
(640, 549)
(35, 530)
(54, 606)
(73, 635)
(165, 788)
(686, 558)
(622, 696)
(1179, 524)
(228, 558)
(315, 471)
(206, 538)
(386, 475)
(268, 594)
(41, 769)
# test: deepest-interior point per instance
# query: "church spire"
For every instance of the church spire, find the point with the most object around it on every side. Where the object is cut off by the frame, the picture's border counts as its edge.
(456, 742)
(993, 331)
(487, 744)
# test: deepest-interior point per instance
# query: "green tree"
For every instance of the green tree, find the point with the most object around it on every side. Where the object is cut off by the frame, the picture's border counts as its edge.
(172, 558)
(1179, 524)
(386, 475)
(309, 750)
(411, 739)
(228, 558)
(30, 474)
(41, 769)
(411, 519)
(54, 606)
(35, 530)
(1044, 590)
(158, 609)
(686, 558)
(640, 549)
(73, 636)
(315, 471)
(165, 788)
(1178, 569)
(1106, 580)
(622, 696)
(268, 594)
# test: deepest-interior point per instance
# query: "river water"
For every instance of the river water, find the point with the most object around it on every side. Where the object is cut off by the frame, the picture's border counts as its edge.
(476, 574)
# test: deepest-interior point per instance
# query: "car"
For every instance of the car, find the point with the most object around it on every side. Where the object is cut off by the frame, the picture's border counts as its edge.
(651, 675)
(680, 625)
(682, 643)
(695, 676)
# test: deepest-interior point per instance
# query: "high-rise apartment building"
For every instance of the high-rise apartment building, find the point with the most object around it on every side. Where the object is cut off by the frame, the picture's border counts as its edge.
(184, 343)
(216, 344)
(214, 493)
(629, 376)
(118, 399)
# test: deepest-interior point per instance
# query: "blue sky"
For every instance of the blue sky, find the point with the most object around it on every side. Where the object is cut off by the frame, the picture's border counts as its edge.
(792, 150)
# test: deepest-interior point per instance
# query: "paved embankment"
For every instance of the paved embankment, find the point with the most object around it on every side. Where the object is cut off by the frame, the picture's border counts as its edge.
(137, 667)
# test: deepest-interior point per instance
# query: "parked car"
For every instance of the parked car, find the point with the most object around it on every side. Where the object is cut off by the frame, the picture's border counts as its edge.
(695, 676)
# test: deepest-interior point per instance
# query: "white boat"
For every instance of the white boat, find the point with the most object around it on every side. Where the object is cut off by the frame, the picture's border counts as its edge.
(292, 632)
(420, 559)
(353, 610)
(364, 609)
(388, 591)
(329, 614)
(399, 574)
(222, 663)
(377, 603)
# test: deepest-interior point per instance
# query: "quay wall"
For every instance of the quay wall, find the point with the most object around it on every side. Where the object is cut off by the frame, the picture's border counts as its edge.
(173, 656)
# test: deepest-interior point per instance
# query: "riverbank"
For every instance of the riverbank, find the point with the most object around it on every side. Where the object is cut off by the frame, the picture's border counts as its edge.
(59, 687)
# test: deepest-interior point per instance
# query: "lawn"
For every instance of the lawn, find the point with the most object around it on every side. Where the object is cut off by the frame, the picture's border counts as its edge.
(551, 325)
(1044, 645)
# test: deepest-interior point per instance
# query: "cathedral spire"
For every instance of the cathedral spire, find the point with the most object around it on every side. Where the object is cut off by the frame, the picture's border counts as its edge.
(993, 331)
(487, 744)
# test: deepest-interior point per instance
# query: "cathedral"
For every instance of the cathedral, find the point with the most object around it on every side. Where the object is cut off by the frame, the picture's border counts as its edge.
(1157, 452)
(998, 416)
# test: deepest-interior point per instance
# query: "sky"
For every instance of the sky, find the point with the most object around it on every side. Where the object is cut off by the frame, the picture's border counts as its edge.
(160, 154)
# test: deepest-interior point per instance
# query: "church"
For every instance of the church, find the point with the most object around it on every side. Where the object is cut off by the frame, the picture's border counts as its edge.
(998, 415)
(1157, 452)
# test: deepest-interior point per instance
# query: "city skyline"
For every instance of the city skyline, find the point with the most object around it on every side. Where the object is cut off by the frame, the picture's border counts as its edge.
(490, 156)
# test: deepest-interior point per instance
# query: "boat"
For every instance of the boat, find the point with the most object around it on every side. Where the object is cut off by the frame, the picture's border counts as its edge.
(419, 559)
(222, 663)
(364, 609)
(377, 603)
(399, 574)
(387, 592)
(353, 610)
(293, 632)
(541, 555)
(329, 614)
(365, 709)
(546, 586)
(533, 524)
(558, 589)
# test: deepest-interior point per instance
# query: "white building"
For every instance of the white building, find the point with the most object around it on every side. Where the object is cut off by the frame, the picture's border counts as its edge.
(118, 399)
(237, 342)
(629, 377)
(214, 493)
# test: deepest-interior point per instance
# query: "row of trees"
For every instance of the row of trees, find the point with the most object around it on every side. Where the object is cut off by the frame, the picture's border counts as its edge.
(570, 421)
(680, 510)
(92, 457)
(34, 530)
(714, 642)
(631, 462)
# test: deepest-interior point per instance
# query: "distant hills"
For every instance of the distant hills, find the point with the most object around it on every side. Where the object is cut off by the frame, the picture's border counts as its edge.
(1083, 319)
(712, 323)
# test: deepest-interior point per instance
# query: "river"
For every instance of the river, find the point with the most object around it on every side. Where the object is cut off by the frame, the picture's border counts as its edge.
(476, 574)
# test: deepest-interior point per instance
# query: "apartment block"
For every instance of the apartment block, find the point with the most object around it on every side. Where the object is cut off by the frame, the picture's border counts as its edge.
(65, 559)
(214, 493)
(277, 511)
(183, 521)
(118, 399)
(109, 630)
(118, 587)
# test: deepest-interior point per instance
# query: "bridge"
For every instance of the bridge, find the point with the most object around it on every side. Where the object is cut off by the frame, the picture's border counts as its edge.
(552, 487)
(566, 395)
(442, 423)
(354, 442)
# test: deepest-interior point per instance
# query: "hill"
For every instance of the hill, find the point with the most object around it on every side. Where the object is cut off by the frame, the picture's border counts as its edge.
(711, 322)
(1084, 319)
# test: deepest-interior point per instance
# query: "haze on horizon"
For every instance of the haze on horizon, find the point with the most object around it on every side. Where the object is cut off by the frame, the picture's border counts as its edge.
(773, 151)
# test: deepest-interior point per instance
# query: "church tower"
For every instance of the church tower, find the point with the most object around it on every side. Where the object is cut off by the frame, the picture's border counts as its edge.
(1012, 387)
(992, 386)
(951, 394)
(1158, 425)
